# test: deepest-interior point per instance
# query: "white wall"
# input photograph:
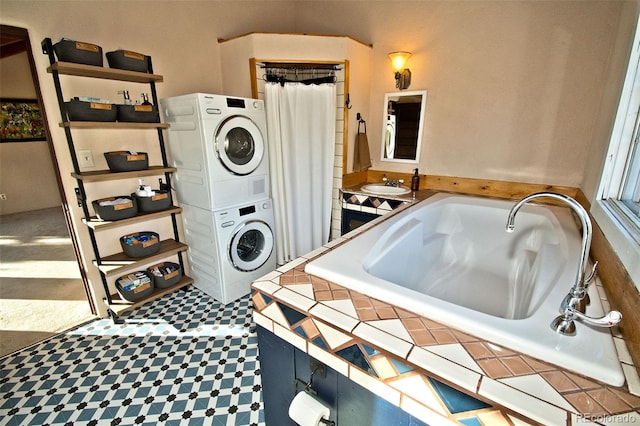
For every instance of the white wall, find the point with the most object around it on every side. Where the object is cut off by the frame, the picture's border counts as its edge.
(514, 87)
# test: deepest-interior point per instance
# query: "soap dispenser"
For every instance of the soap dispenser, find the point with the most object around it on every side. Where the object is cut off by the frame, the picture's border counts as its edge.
(127, 99)
(415, 180)
(145, 99)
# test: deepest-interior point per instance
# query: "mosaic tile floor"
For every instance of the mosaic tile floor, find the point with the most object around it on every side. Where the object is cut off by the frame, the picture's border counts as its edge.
(183, 359)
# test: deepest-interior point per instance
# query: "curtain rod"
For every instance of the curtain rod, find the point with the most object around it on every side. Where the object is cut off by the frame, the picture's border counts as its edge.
(299, 66)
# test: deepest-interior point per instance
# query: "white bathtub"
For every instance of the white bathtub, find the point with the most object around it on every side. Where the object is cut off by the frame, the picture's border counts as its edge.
(450, 259)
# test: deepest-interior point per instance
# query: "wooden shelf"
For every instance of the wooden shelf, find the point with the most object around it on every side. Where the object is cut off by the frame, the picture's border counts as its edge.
(112, 125)
(119, 305)
(82, 70)
(99, 225)
(119, 263)
(105, 175)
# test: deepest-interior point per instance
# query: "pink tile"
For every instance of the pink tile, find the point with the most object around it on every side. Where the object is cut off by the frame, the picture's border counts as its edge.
(478, 350)
(258, 302)
(517, 366)
(494, 368)
(583, 382)
(632, 400)
(432, 324)
(310, 328)
(323, 295)
(340, 295)
(422, 338)
(404, 314)
(413, 324)
(538, 365)
(585, 404)
(609, 400)
(444, 336)
(361, 303)
(464, 337)
(319, 284)
(386, 313)
(379, 304)
(367, 314)
(559, 381)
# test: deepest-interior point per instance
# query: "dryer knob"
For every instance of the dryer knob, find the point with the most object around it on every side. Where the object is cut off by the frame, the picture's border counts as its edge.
(257, 105)
(266, 206)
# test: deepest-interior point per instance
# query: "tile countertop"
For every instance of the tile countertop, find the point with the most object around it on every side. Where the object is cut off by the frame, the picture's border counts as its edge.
(323, 318)
(411, 197)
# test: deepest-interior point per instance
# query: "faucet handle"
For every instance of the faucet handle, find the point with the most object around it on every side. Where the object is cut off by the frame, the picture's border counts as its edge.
(400, 180)
(592, 274)
(609, 320)
(564, 324)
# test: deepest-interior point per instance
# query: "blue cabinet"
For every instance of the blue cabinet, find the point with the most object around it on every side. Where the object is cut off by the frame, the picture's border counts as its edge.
(351, 405)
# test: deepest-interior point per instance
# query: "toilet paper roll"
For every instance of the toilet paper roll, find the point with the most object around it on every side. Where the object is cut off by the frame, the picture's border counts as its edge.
(307, 410)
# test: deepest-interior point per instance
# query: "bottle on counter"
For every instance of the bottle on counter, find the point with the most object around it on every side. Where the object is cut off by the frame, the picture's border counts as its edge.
(415, 181)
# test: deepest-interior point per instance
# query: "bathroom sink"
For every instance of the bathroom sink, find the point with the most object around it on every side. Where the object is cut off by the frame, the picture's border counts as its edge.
(380, 189)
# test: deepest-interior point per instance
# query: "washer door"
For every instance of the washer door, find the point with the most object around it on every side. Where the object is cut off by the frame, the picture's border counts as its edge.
(239, 145)
(251, 245)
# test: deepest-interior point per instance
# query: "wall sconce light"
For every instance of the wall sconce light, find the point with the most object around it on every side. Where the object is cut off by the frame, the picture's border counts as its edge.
(402, 74)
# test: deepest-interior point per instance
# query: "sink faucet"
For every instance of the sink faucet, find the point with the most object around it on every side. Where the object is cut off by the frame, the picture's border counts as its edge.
(392, 182)
(574, 304)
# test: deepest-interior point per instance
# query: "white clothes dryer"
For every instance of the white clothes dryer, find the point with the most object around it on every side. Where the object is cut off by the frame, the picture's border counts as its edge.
(218, 145)
(230, 248)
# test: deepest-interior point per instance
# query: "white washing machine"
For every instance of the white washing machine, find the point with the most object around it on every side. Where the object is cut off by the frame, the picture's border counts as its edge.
(230, 248)
(218, 144)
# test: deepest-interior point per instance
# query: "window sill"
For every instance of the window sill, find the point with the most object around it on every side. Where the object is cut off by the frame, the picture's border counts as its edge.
(626, 248)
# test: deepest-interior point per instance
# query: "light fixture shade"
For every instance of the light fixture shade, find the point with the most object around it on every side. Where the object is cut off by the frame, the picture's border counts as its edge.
(399, 59)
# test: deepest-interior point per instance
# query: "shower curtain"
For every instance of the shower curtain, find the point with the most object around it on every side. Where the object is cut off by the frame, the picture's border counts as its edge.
(301, 137)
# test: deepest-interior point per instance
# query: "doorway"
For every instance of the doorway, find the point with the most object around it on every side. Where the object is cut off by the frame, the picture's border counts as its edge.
(43, 289)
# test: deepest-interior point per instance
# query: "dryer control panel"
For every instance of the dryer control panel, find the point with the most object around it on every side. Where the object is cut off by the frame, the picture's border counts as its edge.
(230, 217)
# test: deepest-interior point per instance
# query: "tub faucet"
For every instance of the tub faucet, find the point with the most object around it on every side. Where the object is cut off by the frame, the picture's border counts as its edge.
(574, 304)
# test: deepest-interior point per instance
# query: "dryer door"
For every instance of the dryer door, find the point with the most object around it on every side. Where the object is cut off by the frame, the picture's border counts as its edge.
(251, 245)
(239, 145)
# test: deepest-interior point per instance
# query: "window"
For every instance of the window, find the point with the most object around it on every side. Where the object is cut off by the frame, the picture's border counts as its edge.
(631, 189)
(618, 207)
(622, 195)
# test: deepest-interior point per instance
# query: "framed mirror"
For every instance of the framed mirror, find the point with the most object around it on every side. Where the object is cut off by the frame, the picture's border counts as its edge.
(402, 126)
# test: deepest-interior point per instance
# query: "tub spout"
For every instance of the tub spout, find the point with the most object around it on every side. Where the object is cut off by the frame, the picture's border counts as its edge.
(574, 304)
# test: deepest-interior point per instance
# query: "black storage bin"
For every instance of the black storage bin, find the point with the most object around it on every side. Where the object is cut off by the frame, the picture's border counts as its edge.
(158, 202)
(135, 286)
(126, 161)
(78, 52)
(90, 111)
(165, 274)
(140, 244)
(128, 60)
(138, 113)
(115, 211)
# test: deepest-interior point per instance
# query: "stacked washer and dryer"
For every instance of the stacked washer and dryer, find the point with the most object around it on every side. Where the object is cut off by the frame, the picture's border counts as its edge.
(218, 145)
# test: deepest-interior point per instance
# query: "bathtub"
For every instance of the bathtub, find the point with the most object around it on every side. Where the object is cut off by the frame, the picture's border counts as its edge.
(449, 259)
